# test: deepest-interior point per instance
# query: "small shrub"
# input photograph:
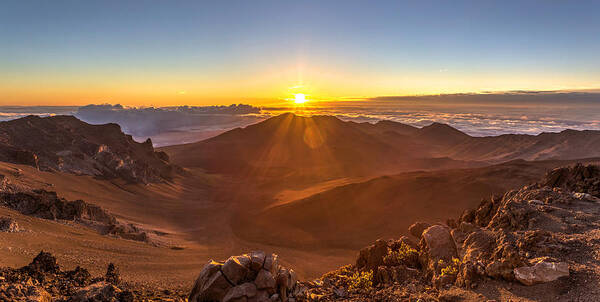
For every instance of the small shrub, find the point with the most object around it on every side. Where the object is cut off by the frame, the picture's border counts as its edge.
(405, 254)
(450, 268)
(361, 280)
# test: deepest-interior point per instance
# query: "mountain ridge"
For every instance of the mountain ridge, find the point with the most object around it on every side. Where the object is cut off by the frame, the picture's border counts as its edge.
(290, 145)
(65, 143)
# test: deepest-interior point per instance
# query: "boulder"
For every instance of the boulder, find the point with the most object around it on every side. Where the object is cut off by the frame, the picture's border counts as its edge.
(417, 228)
(249, 277)
(101, 291)
(272, 264)
(436, 244)
(241, 292)
(371, 257)
(236, 269)
(210, 284)
(541, 272)
(282, 281)
(264, 280)
(262, 296)
(257, 260)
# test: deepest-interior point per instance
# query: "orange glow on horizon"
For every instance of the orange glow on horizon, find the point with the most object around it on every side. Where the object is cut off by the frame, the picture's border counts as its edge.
(276, 83)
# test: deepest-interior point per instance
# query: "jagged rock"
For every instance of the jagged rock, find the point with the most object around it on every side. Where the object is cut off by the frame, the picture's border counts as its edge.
(38, 295)
(500, 269)
(541, 272)
(417, 228)
(257, 260)
(371, 257)
(20, 292)
(241, 292)
(48, 205)
(262, 296)
(389, 275)
(8, 225)
(112, 274)
(440, 281)
(101, 291)
(210, 284)
(271, 263)
(468, 216)
(293, 278)
(282, 281)
(44, 263)
(236, 268)
(162, 155)
(80, 276)
(436, 244)
(478, 245)
(469, 273)
(81, 148)
(513, 215)
(40, 282)
(578, 178)
(264, 280)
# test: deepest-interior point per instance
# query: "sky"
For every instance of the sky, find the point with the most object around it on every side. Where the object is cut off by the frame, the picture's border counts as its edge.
(162, 53)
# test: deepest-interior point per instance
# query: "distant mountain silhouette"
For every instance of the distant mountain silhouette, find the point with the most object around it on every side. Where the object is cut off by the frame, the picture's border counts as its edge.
(567, 144)
(289, 144)
(64, 143)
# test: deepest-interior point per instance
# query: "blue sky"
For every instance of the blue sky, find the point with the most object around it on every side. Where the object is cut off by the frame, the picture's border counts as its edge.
(167, 52)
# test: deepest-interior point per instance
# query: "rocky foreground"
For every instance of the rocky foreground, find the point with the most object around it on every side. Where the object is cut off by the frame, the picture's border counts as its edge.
(43, 281)
(538, 243)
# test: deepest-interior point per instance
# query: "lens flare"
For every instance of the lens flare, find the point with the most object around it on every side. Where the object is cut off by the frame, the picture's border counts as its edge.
(299, 98)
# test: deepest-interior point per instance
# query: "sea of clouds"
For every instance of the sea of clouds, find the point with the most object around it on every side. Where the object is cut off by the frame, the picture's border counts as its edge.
(475, 114)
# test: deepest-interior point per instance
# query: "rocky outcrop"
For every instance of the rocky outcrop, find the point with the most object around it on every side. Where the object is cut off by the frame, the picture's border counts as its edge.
(535, 235)
(436, 246)
(19, 292)
(9, 225)
(48, 205)
(42, 280)
(102, 291)
(112, 274)
(417, 229)
(66, 144)
(577, 178)
(250, 277)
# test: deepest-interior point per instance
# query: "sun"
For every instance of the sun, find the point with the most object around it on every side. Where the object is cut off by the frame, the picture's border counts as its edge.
(299, 98)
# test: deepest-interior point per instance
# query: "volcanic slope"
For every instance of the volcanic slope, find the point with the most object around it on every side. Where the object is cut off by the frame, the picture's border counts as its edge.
(350, 216)
(66, 144)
